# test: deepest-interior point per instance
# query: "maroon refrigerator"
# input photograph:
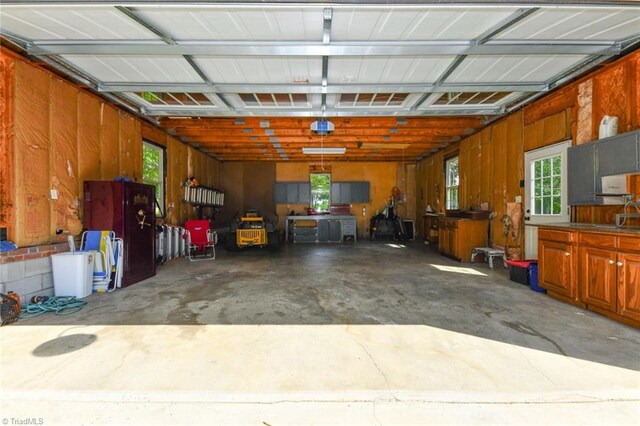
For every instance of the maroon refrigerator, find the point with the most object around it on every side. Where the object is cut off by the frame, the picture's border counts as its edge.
(128, 209)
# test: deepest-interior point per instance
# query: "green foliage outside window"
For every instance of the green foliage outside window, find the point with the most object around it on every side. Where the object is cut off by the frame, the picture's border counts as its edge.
(320, 191)
(152, 171)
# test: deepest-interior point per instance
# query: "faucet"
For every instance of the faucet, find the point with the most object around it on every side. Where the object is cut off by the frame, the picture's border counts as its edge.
(621, 218)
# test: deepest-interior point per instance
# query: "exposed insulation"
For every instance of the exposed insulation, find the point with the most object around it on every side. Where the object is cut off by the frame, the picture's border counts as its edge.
(499, 177)
(64, 136)
(584, 125)
(7, 187)
(128, 141)
(63, 127)
(88, 146)
(547, 131)
(486, 182)
(32, 155)
(611, 97)
(109, 142)
(552, 104)
(154, 134)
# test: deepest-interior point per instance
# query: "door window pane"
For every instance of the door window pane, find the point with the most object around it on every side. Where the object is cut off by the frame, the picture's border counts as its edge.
(546, 193)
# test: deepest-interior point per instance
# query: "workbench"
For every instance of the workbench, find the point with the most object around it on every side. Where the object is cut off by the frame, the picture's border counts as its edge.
(321, 228)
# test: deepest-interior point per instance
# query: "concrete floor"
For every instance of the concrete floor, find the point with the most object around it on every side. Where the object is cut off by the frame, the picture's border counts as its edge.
(367, 333)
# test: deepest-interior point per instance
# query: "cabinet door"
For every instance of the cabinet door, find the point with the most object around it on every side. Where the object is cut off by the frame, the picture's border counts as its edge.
(443, 237)
(304, 193)
(335, 230)
(629, 285)
(323, 230)
(597, 270)
(280, 192)
(335, 192)
(453, 243)
(581, 173)
(618, 155)
(360, 192)
(555, 268)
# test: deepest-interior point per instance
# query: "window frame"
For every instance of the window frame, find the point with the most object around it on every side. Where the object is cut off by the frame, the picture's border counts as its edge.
(160, 198)
(555, 190)
(448, 187)
(311, 192)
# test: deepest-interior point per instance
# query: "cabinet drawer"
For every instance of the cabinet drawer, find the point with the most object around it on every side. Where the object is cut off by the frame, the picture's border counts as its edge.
(348, 228)
(598, 240)
(305, 238)
(555, 235)
(305, 231)
(629, 243)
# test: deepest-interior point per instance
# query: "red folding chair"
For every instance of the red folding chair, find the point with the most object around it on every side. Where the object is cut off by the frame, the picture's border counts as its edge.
(201, 241)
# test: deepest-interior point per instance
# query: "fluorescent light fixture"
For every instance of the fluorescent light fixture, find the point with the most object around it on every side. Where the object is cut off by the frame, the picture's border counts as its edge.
(313, 151)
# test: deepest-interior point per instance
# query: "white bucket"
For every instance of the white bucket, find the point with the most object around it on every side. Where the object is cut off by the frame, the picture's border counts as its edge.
(72, 274)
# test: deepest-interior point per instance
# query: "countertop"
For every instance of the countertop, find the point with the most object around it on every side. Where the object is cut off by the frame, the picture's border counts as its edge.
(322, 216)
(592, 227)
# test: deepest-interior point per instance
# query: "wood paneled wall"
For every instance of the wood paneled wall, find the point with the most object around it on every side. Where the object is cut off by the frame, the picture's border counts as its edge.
(382, 177)
(55, 136)
(491, 161)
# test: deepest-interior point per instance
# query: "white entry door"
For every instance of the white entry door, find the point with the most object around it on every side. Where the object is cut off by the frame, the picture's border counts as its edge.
(545, 192)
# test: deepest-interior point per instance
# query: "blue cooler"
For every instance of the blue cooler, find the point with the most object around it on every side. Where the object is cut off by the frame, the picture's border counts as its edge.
(533, 278)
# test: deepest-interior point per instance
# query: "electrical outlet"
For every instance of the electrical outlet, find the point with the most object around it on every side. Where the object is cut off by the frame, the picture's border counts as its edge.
(54, 194)
(518, 198)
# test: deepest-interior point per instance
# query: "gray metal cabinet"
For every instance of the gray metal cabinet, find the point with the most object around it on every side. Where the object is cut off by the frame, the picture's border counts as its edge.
(619, 154)
(349, 192)
(329, 230)
(583, 182)
(360, 192)
(292, 192)
(280, 192)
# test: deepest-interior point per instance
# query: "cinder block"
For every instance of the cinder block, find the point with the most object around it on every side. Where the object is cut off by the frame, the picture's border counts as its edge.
(25, 286)
(47, 281)
(11, 271)
(27, 297)
(37, 267)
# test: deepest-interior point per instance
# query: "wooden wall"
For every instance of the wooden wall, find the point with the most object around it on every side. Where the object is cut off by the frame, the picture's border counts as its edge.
(56, 136)
(491, 161)
(249, 185)
(382, 177)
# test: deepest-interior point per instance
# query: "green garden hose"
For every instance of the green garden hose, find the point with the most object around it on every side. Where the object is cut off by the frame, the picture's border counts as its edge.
(61, 305)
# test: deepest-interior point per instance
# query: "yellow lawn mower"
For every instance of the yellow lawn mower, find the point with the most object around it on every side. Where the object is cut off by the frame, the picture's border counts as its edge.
(251, 230)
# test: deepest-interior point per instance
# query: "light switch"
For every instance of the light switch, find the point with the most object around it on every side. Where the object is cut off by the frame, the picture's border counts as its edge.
(54, 194)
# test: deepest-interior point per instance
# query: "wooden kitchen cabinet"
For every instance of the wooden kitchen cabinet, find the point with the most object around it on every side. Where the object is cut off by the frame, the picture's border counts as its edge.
(431, 228)
(603, 277)
(628, 265)
(458, 237)
(556, 268)
(597, 269)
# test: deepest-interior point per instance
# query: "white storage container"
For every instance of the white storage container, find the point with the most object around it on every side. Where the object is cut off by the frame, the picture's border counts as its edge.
(73, 274)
